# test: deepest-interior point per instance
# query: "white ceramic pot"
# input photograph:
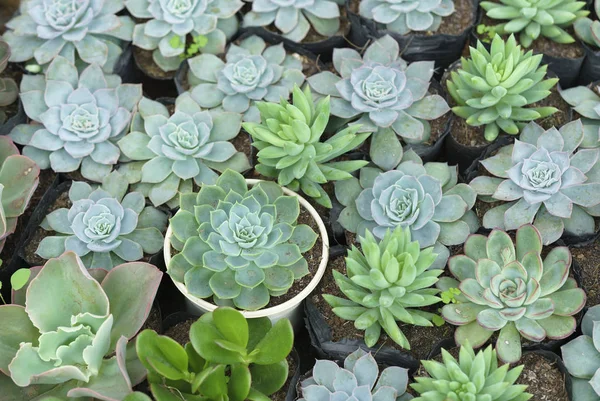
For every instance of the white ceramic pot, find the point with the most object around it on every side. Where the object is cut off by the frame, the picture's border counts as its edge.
(292, 308)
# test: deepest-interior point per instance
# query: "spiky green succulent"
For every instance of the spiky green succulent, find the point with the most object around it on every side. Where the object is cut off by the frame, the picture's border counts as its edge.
(387, 282)
(9, 91)
(494, 88)
(288, 140)
(405, 16)
(586, 103)
(588, 30)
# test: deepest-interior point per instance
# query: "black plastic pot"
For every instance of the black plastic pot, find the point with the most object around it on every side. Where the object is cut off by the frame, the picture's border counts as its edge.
(590, 70)
(154, 86)
(473, 170)
(19, 118)
(125, 66)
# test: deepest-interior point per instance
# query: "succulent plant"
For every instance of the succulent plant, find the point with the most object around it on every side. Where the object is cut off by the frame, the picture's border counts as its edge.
(294, 18)
(472, 377)
(105, 226)
(19, 177)
(288, 140)
(405, 16)
(240, 246)
(9, 91)
(387, 282)
(171, 152)
(168, 24)
(492, 88)
(227, 358)
(581, 357)
(79, 116)
(60, 336)
(358, 379)
(511, 290)
(425, 198)
(532, 18)
(252, 71)
(545, 180)
(86, 30)
(586, 103)
(588, 30)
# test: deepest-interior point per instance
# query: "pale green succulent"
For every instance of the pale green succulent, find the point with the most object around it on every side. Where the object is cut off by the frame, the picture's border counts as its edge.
(241, 246)
(586, 103)
(405, 16)
(387, 282)
(9, 91)
(588, 30)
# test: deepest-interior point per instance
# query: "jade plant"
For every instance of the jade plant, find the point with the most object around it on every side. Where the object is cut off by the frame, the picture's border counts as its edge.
(582, 358)
(105, 226)
(170, 153)
(80, 30)
(295, 18)
(227, 358)
(588, 30)
(387, 282)
(288, 140)
(19, 178)
(496, 88)
(9, 91)
(543, 179)
(532, 18)
(405, 16)
(252, 71)
(358, 379)
(586, 102)
(474, 376)
(426, 198)
(66, 333)
(241, 246)
(510, 290)
(77, 118)
(168, 24)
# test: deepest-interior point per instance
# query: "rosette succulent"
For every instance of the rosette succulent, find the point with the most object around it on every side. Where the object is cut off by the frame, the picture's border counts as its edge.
(9, 91)
(492, 88)
(78, 117)
(586, 103)
(358, 379)
(251, 72)
(512, 291)
(241, 246)
(425, 198)
(288, 140)
(545, 179)
(588, 30)
(532, 18)
(169, 22)
(387, 282)
(86, 30)
(581, 357)
(171, 152)
(472, 377)
(105, 226)
(405, 16)
(294, 18)
(65, 334)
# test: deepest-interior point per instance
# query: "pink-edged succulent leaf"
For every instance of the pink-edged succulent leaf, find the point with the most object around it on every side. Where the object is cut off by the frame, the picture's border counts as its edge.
(475, 246)
(500, 247)
(463, 313)
(7, 148)
(558, 327)
(20, 177)
(528, 240)
(568, 302)
(462, 267)
(530, 329)
(556, 270)
(15, 329)
(508, 344)
(490, 319)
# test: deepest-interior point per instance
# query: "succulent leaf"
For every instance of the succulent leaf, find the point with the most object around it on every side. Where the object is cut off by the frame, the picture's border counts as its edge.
(9, 91)
(407, 15)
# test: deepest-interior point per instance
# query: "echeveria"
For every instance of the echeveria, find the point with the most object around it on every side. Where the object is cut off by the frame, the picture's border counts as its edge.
(586, 103)
(171, 152)
(105, 226)
(407, 15)
(87, 30)
(251, 72)
(79, 116)
(66, 333)
(9, 91)
(588, 30)
(544, 179)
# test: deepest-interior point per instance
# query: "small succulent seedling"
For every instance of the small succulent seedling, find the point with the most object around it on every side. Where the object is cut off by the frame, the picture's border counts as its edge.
(405, 16)
(449, 296)
(486, 33)
(195, 47)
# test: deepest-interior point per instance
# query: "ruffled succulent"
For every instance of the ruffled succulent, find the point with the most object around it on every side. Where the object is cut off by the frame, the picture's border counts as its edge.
(288, 140)
(405, 16)
(387, 282)
(588, 30)
(472, 377)
(237, 245)
(492, 88)
(105, 226)
(545, 180)
(168, 23)
(9, 91)
(79, 116)
(294, 18)
(252, 71)
(171, 152)
(66, 333)
(511, 291)
(532, 18)
(86, 30)
(582, 358)
(425, 198)
(586, 103)
(358, 379)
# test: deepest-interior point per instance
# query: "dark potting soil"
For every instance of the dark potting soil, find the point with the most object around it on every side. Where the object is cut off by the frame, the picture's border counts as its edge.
(588, 259)
(154, 320)
(243, 144)
(145, 61)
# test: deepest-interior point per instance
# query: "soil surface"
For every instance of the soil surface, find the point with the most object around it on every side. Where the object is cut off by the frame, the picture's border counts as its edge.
(588, 260)
(154, 320)
(145, 61)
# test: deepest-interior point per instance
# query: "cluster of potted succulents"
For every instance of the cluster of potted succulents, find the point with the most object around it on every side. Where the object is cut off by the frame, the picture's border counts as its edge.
(316, 200)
